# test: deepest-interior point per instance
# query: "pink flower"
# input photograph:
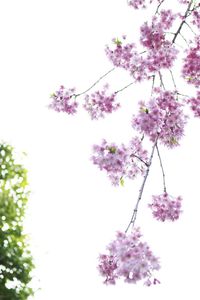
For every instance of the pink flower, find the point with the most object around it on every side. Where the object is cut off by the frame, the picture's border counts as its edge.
(153, 35)
(128, 258)
(161, 116)
(64, 100)
(191, 66)
(126, 56)
(160, 52)
(137, 3)
(167, 18)
(99, 103)
(107, 268)
(195, 104)
(163, 58)
(122, 54)
(165, 207)
(120, 161)
(196, 18)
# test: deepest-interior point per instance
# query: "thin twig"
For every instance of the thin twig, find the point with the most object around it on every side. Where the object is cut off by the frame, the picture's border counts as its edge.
(144, 162)
(183, 95)
(134, 215)
(182, 23)
(96, 82)
(162, 168)
(172, 76)
(190, 28)
(184, 39)
(161, 80)
(124, 88)
(153, 81)
(158, 7)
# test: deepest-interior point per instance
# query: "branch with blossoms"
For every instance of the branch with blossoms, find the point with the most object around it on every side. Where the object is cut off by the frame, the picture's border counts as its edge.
(161, 119)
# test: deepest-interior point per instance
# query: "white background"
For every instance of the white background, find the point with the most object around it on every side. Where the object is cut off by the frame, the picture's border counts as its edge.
(74, 212)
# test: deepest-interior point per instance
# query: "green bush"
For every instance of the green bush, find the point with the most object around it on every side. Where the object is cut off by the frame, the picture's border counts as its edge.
(16, 262)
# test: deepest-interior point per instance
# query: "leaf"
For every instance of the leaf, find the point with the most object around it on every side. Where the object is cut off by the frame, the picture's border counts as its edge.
(122, 181)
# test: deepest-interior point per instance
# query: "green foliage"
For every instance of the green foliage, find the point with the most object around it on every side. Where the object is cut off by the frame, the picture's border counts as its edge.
(16, 262)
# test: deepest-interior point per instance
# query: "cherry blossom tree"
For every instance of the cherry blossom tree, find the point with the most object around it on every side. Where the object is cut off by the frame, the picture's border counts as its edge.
(161, 119)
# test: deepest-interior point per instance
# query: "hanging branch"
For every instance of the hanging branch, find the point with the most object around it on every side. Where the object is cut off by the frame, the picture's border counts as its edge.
(162, 168)
(190, 28)
(134, 215)
(172, 76)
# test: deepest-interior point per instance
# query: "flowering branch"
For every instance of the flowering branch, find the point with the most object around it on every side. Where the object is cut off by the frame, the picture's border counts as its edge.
(183, 22)
(134, 215)
(161, 118)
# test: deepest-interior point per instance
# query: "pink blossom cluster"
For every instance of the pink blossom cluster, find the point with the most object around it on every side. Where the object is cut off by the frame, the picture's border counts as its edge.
(195, 104)
(129, 258)
(162, 58)
(166, 18)
(162, 116)
(122, 55)
(153, 36)
(196, 18)
(126, 56)
(165, 207)
(63, 100)
(160, 52)
(100, 103)
(120, 161)
(191, 66)
(137, 3)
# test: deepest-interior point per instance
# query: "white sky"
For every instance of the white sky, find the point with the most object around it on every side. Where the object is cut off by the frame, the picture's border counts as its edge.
(74, 211)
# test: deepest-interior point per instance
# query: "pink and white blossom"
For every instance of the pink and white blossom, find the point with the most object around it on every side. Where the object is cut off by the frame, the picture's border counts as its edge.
(100, 103)
(129, 258)
(163, 58)
(194, 103)
(165, 207)
(191, 65)
(162, 116)
(64, 100)
(137, 3)
(121, 161)
(196, 18)
(121, 54)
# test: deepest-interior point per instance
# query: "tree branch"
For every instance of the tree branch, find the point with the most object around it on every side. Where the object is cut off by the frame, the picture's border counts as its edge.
(182, 23)
(134, 215)
(96, 82)
(162, 168)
